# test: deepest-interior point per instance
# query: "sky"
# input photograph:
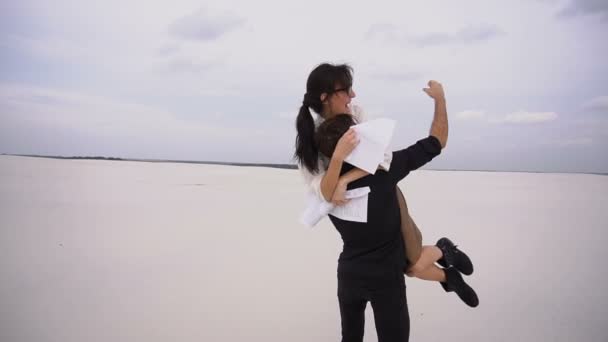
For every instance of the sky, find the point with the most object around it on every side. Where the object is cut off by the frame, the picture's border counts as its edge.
(526, 82)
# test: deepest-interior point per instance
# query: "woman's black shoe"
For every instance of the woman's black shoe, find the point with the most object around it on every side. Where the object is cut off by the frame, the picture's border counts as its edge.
(452, 256)
(454, 282)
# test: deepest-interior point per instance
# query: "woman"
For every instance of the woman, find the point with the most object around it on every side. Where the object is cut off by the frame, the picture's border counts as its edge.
(329, 93)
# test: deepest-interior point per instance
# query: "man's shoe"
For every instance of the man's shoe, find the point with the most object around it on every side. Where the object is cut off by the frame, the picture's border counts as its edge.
(452, 256)
(454, 282)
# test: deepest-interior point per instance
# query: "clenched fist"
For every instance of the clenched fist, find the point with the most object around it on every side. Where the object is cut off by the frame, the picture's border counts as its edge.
(435, 90)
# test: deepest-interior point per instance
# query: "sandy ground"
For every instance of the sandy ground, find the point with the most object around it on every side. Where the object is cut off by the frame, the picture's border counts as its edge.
(133, 251)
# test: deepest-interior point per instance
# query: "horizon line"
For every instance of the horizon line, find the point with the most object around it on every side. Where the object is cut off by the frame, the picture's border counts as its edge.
(272, 165)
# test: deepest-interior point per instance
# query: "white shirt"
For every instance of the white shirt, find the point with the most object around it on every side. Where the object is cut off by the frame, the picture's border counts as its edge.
(313, 180)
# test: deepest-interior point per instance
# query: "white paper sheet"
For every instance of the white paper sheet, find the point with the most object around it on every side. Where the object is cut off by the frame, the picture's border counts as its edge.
(354, 210)
(374, 138)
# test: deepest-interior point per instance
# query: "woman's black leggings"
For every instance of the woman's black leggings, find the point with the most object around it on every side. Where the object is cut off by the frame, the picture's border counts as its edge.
(389, 303)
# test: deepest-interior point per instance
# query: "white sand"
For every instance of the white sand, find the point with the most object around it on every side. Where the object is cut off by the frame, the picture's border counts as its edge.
(128, 251)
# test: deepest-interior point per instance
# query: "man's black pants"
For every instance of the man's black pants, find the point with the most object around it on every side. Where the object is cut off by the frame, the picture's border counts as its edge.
(389, 303)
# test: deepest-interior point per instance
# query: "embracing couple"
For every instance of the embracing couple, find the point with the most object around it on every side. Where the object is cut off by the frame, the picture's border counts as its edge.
(377, 253)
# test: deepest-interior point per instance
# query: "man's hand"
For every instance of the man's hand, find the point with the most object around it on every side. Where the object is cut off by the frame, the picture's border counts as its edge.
(435, 91)
(346, 144)
(339, 198)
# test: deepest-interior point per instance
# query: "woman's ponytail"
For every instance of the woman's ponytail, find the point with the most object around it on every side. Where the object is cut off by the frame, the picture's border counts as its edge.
(306, 153)
(323, 79)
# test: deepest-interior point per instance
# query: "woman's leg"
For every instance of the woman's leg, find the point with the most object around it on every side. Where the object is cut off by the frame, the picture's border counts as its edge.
(412, 238)
(422, 259)
(449, 278)
(425, 268)
(431, 273)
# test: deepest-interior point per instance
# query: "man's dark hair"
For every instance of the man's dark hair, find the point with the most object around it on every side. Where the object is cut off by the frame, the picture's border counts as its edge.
(330, 131)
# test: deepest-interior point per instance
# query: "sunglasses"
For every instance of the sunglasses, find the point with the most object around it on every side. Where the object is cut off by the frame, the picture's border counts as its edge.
(345, 89)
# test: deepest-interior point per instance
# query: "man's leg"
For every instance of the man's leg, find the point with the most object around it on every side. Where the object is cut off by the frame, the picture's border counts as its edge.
(352, 312)
(390, 311)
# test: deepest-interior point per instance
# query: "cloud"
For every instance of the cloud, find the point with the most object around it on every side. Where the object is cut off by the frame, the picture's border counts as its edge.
(383, 31)
(397, 76)
(287, 114)
(50, 48)
(520, 117)
(205, 26)
(188, 65)
(467, 35)
(576, 142)
(99, 116)
(582, 141)
(523, 117)
(478, 34)
(585, 7)
(470, 115)
(168, 49)
(598, 104)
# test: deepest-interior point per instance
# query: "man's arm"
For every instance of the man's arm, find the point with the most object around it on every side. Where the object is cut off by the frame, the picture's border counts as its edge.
(426, 149)
(439, 127)
(414, 157)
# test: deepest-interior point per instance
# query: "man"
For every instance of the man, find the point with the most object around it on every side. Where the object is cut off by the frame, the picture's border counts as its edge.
(371, 265)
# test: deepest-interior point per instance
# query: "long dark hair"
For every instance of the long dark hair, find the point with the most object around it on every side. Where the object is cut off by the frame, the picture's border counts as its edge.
(323, 79)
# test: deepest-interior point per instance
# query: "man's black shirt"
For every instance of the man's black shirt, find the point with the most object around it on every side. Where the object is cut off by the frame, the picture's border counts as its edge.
(376, 247)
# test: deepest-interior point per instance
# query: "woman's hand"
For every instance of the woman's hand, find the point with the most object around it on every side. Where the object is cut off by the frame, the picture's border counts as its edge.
(346, 144)
(339, 198)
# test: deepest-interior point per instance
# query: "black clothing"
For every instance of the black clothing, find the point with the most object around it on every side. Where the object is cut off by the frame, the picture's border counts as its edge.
(376, 247)
(371, 265)
(389, 302)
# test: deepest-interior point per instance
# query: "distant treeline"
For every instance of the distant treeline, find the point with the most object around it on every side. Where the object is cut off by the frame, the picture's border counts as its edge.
(279, 166)
(62, 157)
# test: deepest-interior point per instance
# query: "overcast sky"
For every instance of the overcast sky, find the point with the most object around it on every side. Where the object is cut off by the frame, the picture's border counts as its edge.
(526, 81)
